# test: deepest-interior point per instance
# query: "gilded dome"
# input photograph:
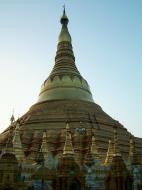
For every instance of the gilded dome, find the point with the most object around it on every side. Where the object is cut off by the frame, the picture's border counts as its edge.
(65, 81)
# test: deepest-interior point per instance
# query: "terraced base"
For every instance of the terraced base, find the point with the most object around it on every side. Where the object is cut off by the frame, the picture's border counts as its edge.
(84, 118)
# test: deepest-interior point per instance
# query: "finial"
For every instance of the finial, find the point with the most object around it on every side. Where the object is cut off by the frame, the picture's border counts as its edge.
(64, 9)
(12, 119)
(64, 18)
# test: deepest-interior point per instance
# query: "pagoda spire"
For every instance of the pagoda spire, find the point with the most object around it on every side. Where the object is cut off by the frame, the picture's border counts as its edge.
(64, 60)
(17, 145)
(9, 144)
(44, 146)
(92, 155)
(65, 81)
(64, 34)
(110, 153)
(113, 148)
(12, 119)
(68, 147)
(94, 148)
(64, 18)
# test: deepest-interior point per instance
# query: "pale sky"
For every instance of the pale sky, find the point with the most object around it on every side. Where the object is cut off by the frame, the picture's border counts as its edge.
(107, 41)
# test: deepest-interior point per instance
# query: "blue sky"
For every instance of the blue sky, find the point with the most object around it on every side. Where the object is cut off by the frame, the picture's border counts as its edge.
(107, 41)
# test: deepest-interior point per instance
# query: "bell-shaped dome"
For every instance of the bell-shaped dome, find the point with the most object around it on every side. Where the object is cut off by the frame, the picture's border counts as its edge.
(65, 81)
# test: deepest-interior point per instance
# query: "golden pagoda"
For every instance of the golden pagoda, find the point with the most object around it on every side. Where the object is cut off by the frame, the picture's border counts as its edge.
(68, 129)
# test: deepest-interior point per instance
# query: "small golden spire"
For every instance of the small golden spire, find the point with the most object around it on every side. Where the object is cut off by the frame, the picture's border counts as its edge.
(9, 144)
(68, 147)
(110, 153)
(92, 156)
(94, 148)
(44, 146)
(17, 144)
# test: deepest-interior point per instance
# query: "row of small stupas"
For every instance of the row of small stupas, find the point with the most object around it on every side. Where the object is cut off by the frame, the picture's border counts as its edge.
(67, 136)
(66, 171)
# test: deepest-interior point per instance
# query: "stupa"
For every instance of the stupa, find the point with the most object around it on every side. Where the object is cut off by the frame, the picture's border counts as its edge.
(65, 99)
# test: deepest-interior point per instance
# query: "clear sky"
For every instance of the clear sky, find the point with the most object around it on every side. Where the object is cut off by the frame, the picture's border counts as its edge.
(107, 41)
